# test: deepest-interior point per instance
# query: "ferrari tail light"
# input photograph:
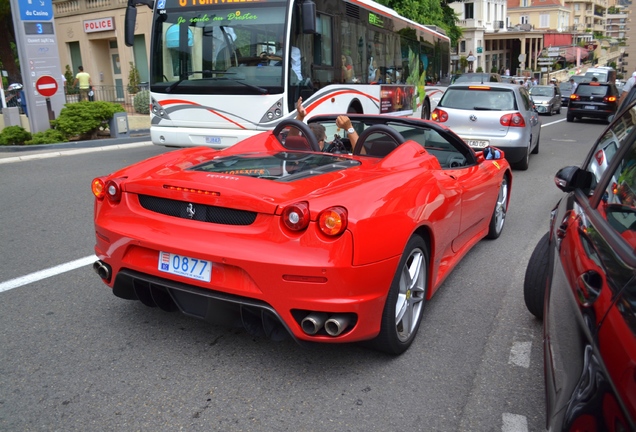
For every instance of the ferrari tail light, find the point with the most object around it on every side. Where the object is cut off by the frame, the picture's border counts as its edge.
(609, 99)
(296, 216)
(98, 186)
(513, 120)
(333, 221)
(439, 115)
(113, 190)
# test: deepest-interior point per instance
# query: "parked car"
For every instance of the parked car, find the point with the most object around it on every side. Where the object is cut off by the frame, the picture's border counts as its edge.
(566, 90)
(593, 100)
(580, 281)
(493, 114)
(285, 238)
(547, 98)
(477, 77)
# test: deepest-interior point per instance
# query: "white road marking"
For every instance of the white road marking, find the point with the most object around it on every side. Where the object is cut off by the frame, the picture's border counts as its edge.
(514, 423)
(71, 152)
(553, 122)
(46, 273)
(520, 354)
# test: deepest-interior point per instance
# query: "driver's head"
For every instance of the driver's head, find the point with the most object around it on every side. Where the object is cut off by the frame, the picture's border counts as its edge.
(320, 133)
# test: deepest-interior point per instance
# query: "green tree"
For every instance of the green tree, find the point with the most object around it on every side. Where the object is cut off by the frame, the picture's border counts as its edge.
(429, 12)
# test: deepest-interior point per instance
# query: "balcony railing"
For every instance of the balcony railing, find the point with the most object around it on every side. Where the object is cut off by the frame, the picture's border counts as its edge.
(111, 93)
(78, 7)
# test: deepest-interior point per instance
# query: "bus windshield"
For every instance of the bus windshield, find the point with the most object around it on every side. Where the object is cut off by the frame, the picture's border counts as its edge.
(218, 49)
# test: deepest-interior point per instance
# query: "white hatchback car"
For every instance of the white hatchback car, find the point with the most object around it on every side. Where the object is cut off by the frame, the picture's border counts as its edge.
(501, 115)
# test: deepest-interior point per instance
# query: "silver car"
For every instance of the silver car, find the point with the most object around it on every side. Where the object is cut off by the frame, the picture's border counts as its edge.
(547, 98)
(501, 115)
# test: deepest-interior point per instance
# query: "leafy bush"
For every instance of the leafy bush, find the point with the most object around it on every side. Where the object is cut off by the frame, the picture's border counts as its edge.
(84, 119)
(14, 135)
(142, 102)
(49, 136)
(133, 79)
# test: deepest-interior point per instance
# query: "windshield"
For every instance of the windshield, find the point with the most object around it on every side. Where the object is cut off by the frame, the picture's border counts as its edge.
(542, 91)
(282, 166)
(209, 49)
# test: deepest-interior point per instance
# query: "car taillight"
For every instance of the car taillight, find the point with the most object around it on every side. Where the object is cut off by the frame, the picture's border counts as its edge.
(333, 221)
(439, 115)
(296, 216)
(513, 120)
(99, 188)
(574, 97)
(113, 190)
(609, 99)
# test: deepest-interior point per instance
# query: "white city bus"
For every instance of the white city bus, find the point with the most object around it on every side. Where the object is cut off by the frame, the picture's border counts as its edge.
(218, 73)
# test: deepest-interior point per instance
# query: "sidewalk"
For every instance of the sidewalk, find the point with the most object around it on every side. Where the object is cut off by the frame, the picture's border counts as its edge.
(26, 152)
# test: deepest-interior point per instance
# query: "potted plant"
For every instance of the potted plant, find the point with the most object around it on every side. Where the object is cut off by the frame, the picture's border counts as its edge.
(133, 82)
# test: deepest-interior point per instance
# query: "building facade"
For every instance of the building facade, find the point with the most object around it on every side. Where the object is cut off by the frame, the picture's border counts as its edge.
(90, 33)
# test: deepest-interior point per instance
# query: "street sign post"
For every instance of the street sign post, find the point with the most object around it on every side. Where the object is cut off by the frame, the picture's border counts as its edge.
(46, 85)
(38, 53)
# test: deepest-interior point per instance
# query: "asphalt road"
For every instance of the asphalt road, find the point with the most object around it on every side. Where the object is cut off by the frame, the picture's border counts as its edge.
(74, 358)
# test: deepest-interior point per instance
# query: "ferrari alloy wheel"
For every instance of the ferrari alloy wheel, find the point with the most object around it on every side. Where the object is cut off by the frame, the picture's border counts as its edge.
(499, 213)
(536, 278)
(403, 308)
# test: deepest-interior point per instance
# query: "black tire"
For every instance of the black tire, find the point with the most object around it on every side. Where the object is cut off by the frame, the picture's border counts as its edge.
(499, 213)
(524, 163)
(426, 110)
(394, 338)
(536, 149)
(569, 117)
(535, 282)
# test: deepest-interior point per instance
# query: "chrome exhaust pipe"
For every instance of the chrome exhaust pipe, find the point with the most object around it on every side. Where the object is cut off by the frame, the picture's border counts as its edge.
(336, 324)
(102, 269)
(313, 322)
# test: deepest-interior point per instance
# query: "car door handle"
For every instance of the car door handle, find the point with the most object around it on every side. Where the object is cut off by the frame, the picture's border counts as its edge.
(588, 287)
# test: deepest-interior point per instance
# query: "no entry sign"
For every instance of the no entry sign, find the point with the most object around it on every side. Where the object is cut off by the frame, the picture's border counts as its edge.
(46, 85)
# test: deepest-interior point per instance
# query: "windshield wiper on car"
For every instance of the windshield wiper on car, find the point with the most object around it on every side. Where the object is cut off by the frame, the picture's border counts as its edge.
(480, 108)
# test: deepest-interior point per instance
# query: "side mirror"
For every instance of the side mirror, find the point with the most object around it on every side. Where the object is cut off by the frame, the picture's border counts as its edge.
(308, 9)
(129, 25)
(491, 153)
(572, 177)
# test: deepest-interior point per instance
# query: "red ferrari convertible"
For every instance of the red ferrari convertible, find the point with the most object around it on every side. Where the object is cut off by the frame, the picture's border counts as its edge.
(337, 245)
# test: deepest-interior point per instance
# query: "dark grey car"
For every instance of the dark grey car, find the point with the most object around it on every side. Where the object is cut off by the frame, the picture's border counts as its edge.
(547, 99)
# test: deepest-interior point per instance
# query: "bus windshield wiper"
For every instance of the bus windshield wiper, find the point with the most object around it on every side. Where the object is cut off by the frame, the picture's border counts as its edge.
(261, 90)
(176, 83)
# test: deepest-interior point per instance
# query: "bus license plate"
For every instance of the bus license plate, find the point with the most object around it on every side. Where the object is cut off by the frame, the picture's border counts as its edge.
(478, 143)
(212, 140)
(181, 265)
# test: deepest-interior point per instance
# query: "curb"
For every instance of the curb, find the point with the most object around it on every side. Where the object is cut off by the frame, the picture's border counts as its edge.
(135, 136)
(71, 152)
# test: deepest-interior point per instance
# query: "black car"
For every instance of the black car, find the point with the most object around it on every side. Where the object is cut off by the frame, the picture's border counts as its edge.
(566, 91)
(593, 100)
(581, 280)
(477, 77)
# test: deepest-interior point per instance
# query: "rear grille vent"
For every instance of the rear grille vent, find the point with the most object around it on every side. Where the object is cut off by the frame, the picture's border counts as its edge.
(199, 212)
(352, 11)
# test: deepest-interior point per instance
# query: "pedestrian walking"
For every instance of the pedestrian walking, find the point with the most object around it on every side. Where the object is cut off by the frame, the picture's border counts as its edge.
(83, 79)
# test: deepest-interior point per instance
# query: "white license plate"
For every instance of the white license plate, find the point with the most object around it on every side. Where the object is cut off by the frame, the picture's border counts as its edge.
(212, 140)
(590, 107)
(181, 265)
(477, 143)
